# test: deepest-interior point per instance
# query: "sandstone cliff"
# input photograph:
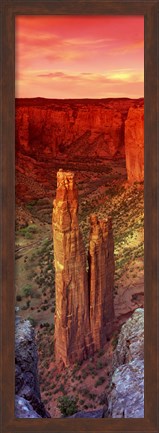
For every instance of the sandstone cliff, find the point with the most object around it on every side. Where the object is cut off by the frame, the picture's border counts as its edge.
(72, 128)
(72, 328)
(84, 302)
(134, 144)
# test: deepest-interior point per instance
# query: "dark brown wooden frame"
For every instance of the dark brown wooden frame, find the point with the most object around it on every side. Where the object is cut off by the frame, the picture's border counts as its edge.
(150, 10)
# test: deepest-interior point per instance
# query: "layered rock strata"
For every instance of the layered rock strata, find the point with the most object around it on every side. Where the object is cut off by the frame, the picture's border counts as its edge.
(72, 328)
(84, 301)
(134, 144)
(72, 128)
(101, 269)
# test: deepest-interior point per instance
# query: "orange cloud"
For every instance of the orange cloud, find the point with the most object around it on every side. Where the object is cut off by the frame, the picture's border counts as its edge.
(65, 57)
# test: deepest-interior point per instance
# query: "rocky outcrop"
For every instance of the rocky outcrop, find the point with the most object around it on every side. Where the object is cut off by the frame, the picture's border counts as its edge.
(101, 270)
(23, 409)
(73, 339)
(84, 302)
(134, 144)
(26, 373)
(131, 339)
(126, 397)
(71, 128)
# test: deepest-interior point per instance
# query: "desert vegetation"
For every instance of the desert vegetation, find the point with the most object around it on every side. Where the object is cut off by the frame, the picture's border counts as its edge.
(102, 189)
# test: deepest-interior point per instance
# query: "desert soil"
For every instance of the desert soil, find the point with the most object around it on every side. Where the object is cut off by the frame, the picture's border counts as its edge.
(102, 189)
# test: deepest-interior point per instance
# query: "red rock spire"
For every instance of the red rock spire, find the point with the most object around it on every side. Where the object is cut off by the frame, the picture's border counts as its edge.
(101, 269)
(72, 328)
(84, 302)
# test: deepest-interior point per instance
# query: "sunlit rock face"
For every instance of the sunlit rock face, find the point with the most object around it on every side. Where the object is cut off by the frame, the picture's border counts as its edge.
(134, 144)
(73, 339)
(84, 301)
(126, 394)
(101, 269)
(72, 128)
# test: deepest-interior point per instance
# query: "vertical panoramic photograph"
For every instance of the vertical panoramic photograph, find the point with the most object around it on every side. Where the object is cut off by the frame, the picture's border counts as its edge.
(79, 229)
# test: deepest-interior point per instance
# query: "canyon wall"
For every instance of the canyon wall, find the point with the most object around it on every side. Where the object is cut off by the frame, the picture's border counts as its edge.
(84, 302)
(134, 144)
(71, 128)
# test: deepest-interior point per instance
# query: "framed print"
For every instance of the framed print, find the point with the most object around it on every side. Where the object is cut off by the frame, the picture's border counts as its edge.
(79, 216)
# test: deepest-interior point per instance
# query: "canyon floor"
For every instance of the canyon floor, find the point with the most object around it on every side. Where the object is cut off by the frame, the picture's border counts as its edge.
(103, 189)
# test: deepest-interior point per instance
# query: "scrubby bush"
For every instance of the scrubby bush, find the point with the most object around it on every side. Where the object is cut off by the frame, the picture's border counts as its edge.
(32, 321)
(28, 231)
(18, 298)
(31, 204)
(115, 341)
(67, 405)
(27, 290)
(100, 381)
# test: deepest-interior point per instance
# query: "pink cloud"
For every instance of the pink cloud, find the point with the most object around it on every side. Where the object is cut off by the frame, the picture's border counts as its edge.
(95, 54)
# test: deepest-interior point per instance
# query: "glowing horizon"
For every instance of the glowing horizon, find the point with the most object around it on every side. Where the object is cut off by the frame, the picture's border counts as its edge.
(73, 57)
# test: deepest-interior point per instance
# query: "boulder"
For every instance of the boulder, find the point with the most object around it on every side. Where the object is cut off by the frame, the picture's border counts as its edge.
(26, 372)
(23, 409)
(126, 395)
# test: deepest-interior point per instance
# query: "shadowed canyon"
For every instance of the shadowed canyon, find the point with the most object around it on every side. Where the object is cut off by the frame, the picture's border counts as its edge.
(79, 246)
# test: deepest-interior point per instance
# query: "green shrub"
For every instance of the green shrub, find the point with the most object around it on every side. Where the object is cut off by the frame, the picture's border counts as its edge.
(92, 396)
(67, 405)
(99, 365)
(84, 374)
(18, 298)
(27, 290)
(100, 381)
(28, 231)
(31, 204)
(115, 341)
(100, 353)
(32, 321)
(62, 388)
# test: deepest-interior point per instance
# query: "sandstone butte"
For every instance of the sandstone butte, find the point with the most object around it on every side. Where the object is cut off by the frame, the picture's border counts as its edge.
(69, 129)
(84, 301)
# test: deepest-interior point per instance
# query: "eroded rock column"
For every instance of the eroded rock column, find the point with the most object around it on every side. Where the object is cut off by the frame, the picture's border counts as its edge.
(73, 340)
(101, 269)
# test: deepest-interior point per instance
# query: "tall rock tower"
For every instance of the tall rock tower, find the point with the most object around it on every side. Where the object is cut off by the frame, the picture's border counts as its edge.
(73, 339)
(84, 301)
(101, 271)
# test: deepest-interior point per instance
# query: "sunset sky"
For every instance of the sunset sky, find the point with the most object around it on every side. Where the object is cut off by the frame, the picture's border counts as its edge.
(79, 57)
